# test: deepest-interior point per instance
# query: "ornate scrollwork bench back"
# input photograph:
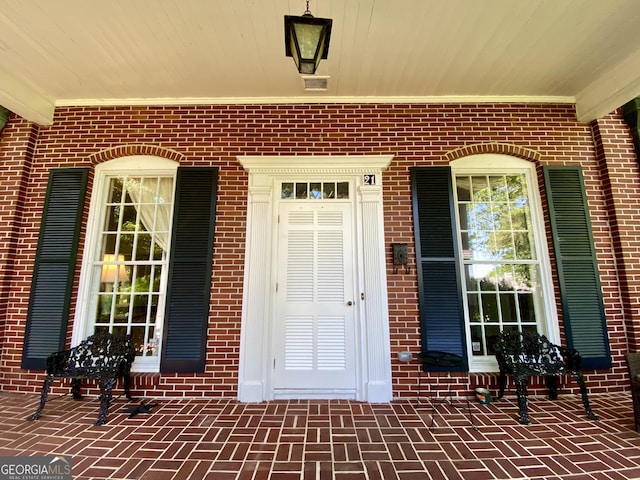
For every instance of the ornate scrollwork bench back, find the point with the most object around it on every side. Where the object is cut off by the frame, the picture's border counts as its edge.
(103, 357)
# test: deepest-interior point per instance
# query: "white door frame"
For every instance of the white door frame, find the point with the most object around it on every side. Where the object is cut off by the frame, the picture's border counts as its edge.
(256, 359)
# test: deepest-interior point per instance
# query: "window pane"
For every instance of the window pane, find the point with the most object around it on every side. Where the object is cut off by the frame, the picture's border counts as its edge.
(466, 216)
(527, 311)
(474, 308)
(129, 218)
(139, 311)
(121, 314)
(151, 347)
(508, 307)
(343, 189)
(315, 190)
(138, 339)
(477, 346)
(498, 189)
(104, 309)
(504, 246)
(329, 190)
(115, 191)
(126, 245)
(480, 188)
(155, 279)
(99, 330)
(471, 279)
(487, 280)
(112, 217)
(522, 246)
(505, 276)
(109, 244)
(463, 186)
(482, 244)
(481, 216)
(491, 335)
(287, 190)
(301, 191)
(490, 307)
(519, 219)
(516, 185)
(143, 247)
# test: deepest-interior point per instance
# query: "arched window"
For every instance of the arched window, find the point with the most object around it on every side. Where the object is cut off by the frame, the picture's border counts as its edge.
(505, 273)
(126, 258)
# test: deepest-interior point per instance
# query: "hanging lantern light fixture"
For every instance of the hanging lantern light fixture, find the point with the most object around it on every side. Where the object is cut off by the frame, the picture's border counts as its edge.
(306, 39)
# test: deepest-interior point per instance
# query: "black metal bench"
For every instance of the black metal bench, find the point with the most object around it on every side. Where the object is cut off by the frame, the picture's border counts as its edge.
(633, 364)
(102, 357)
(523, 355)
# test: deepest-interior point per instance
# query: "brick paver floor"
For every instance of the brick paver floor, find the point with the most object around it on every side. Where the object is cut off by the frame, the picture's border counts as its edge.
(332, 440)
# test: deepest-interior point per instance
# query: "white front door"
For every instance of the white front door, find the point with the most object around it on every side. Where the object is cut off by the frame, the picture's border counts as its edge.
(315, 311)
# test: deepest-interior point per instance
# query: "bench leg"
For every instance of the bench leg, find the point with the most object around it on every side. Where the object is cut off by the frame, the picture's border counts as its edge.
(521, 390)
(106, 385)
(76, 385)
(585, 399)
(126, 380)
(43, 398)
(502, 382)
(552, 385)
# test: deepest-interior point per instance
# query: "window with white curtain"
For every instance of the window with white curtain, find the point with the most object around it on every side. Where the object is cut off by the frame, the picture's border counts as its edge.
(125, 267)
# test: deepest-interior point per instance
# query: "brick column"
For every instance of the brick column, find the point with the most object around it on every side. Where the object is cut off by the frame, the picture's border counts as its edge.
(631, 112)
(620, 177)
(17, 145)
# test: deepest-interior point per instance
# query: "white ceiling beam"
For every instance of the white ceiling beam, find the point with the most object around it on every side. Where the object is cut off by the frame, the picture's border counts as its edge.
(24, 101)
(611, 90)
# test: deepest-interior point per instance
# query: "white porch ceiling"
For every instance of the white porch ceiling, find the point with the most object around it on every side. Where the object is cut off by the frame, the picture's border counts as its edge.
(127, 52)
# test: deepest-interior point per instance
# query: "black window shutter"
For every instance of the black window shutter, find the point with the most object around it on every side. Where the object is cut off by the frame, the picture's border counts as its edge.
(187, 313)
(50, 297)
(579, 279)
(439, 283)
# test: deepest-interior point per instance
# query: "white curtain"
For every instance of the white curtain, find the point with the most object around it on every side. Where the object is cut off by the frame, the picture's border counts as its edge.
(152, 198)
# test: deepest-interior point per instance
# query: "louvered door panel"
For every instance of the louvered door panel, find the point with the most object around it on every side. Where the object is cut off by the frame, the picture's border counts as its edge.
(300, 284)
(314, 337)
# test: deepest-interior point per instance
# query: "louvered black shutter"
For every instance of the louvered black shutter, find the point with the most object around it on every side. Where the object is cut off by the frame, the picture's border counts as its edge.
(439, 283)
(187, 314)
(579, 279)
(50, 296)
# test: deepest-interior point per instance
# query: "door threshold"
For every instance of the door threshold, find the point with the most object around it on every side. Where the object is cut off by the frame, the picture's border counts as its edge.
(313, 394)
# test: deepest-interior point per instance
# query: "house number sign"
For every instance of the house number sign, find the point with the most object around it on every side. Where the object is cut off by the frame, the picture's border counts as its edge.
(369, 179)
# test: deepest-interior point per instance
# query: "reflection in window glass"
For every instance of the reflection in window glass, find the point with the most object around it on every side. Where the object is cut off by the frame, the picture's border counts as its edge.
(500, 268)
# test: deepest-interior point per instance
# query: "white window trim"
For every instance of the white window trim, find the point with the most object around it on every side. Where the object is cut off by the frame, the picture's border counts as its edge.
(136, 164)
(487, 164)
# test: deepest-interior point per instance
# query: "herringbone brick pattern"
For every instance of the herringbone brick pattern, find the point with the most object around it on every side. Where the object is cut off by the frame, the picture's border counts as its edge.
(333, 440)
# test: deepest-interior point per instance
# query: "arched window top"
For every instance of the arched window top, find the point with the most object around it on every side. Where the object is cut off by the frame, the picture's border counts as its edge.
(138, 162)
(491, 161)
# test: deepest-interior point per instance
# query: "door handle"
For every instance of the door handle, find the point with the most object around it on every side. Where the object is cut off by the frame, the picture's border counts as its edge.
(349, 303)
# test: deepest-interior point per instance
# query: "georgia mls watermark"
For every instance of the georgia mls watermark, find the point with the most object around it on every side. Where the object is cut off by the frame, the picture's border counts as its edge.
(36, 468)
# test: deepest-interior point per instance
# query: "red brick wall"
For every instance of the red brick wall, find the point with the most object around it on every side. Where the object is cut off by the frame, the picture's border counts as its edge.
(414, 134)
